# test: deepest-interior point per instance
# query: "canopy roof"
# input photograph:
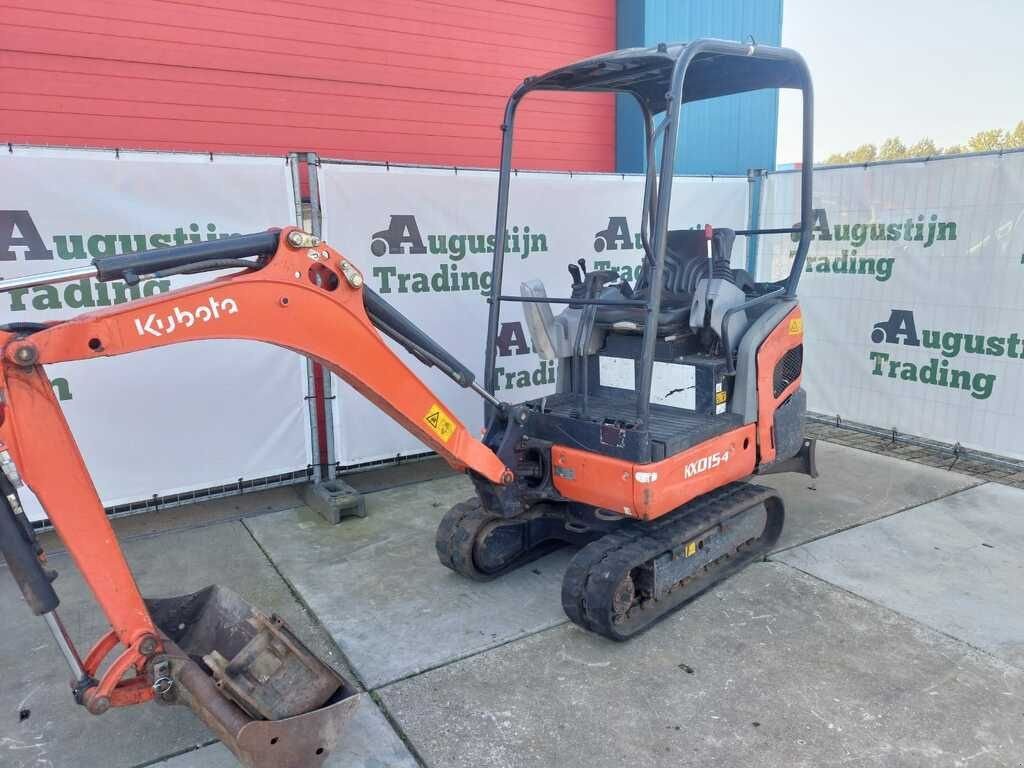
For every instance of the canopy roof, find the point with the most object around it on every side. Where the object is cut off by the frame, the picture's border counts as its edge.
(647, 72)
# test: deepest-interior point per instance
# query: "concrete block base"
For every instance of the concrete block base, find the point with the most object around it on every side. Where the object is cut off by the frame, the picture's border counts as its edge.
(333, 500)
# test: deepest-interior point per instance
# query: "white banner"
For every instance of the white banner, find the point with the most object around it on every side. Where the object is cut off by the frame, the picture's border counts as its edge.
(168, 420)
(423, 238)
(913, 295)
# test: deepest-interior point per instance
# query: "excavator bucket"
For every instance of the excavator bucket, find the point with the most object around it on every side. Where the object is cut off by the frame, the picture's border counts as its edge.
(249, 679)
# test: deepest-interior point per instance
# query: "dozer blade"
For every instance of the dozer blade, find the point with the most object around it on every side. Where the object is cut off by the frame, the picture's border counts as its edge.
(249, 679)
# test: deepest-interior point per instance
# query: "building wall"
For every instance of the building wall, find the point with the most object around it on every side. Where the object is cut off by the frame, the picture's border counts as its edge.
(420, 81)
(725, 135)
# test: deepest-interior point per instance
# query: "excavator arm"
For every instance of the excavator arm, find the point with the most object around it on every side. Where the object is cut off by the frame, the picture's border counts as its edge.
(293, 291)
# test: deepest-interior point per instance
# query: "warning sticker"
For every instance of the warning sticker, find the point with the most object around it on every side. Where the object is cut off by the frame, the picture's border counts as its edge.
(796, 326)
(440, 422)
(721, 397)
(690, 549)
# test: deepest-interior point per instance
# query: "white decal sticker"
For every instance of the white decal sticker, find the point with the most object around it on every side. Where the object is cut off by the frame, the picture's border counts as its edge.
(178, 317)
(707, 462)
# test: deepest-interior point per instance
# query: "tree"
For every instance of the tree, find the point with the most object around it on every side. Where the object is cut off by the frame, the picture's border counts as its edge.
(1015, 138)
(892, 149)
(984, 141)
(865, 153)
(923, 148)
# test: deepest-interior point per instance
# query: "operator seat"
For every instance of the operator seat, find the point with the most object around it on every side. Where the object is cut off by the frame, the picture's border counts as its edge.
(686, 262)
(580, 329)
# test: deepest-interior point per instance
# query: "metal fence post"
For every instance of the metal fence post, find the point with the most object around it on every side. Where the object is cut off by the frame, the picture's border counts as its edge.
(322, 380)
(295, 162)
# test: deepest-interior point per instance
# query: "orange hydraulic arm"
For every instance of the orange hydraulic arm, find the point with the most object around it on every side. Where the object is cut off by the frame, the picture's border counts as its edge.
(305, 297)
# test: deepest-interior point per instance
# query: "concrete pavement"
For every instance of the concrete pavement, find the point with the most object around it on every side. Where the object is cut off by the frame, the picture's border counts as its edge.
(954, 564)
(774, 669)
(378, 588)
(885, 631)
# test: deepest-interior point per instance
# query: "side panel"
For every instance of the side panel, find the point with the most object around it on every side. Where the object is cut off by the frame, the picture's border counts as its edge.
(744, 393)
(591, 478)
(647, 491)
(787, 335)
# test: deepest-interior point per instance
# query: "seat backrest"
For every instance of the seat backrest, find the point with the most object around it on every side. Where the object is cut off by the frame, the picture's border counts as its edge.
(686, 260)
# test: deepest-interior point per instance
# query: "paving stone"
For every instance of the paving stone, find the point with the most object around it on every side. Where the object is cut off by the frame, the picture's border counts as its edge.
(773, 669)
(378, 588)
(956, 564)
(853, 487)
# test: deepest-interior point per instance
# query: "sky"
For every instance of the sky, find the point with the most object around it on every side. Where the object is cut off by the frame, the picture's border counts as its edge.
(907, 68)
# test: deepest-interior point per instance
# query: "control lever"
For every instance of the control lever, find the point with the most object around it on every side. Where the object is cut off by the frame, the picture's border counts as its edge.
(595, 281)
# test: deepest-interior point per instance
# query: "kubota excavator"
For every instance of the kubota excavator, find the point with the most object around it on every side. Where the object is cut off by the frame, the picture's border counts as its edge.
(648, 483)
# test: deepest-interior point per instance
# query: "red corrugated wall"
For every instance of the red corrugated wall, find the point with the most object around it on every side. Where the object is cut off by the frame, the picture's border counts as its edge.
(421, 81)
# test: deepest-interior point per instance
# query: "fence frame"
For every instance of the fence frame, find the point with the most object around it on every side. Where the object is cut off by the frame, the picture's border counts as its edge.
(157, 501)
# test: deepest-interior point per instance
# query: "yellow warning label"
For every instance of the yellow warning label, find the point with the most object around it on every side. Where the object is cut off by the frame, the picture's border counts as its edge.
(690, 548)
(796, 326)
(440, 422)
(721, 398)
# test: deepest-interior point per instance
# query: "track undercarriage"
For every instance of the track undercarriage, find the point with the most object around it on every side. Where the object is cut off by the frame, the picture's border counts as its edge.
(626, 574)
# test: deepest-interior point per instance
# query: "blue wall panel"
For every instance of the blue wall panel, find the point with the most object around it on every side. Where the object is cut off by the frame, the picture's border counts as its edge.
(725, 135)
(629, 132)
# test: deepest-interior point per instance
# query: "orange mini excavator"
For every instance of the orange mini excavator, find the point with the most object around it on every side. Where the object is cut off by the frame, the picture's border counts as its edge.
(670, 392)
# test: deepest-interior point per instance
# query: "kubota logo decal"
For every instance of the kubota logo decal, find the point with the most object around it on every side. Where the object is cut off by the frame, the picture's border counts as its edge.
(178, 317)
(710, 461)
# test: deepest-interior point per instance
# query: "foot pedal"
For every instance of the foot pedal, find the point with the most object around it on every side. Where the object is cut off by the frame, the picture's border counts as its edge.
(250, 679)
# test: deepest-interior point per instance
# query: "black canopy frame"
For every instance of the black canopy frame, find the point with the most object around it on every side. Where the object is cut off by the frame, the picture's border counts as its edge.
(662, 79)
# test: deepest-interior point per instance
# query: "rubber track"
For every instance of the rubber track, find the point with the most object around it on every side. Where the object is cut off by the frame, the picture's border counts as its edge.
(597, 569)
(459, 532)
(456, 536)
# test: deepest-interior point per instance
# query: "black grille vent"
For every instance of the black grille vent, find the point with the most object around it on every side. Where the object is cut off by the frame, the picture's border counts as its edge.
(788, 369)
